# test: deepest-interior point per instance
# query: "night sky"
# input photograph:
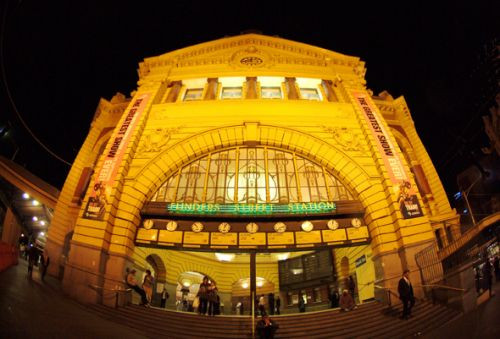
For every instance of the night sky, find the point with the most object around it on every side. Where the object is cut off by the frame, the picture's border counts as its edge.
(60, 57)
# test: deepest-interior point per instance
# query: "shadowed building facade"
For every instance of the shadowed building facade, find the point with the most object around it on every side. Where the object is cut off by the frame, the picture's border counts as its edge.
(247, 144)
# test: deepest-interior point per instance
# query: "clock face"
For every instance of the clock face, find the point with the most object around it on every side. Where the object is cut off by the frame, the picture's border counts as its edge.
(252, 227)
(332, 224)
(224, 227)
(356, 222)
(148, 223)
(197, 227)
(307, 226)
(280, 227)
(171, 225)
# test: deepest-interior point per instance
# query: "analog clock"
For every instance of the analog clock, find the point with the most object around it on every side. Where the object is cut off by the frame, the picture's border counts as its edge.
(171, 225)
(252, 227)
(307, 226)
(224, 227)
(148, 224)
(332, 224)
(280, 227)
(356, 222)
(197, 227)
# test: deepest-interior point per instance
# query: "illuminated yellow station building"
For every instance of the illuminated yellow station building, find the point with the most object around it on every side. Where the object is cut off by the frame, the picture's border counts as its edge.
(249, 151)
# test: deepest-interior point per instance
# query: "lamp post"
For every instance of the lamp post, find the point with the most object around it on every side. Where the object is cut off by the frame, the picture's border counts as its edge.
(465, 193)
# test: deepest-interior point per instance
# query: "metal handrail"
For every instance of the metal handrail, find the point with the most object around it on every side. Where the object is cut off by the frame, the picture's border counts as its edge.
(446, 287)
(115, 290)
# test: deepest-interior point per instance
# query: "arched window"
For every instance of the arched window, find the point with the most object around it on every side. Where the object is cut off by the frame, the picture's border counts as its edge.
(252, 175)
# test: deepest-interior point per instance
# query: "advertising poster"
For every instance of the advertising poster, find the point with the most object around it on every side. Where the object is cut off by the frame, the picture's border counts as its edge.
(408, 200)
(103, 182)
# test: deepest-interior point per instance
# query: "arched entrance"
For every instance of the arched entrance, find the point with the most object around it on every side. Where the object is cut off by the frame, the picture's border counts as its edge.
(255, 200)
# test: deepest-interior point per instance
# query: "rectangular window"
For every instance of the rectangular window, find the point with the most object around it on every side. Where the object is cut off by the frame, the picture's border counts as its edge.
(193, 94)
(309, 94)
(270, 93)
(232, 93)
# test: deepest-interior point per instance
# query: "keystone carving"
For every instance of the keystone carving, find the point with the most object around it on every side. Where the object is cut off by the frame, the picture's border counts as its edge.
(345, 138)
(156, 140)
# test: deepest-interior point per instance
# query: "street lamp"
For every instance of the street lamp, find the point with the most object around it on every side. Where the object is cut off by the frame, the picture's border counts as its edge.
(465, 193)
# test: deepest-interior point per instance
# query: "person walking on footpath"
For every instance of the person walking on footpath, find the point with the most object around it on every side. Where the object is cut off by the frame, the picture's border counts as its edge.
(32, 259)
(488, 277)
(132, 283)
(45, 261)
(496, 267)
(405, 290)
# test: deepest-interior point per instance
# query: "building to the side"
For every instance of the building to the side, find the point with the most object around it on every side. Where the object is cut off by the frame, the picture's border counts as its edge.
(263, 163)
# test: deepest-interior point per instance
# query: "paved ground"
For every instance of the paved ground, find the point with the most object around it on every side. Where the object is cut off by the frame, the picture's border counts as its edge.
(36, 309)
(482, 323)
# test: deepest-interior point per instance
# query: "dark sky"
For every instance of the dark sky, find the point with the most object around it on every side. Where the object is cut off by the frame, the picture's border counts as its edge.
(60, 57)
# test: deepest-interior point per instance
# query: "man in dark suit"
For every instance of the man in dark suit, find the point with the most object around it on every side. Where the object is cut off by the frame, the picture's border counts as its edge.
(405, 291)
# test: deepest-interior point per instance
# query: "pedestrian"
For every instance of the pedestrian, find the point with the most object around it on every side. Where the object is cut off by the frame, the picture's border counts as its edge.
(203, 296)
(278, 304)
(147, 285)
(132, 283)
(164, 297)
(44, 264)
(266, 327)
(496, 268)
(238, 308)
(352, 286)
(262, 305)
(32, 259)
(270, 302)
(488, 277)
(213, 295)
(405, 290)
(334, 298)
(301, 304)
(346, 302)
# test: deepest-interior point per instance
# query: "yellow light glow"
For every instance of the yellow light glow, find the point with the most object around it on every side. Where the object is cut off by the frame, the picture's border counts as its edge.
(224, 256)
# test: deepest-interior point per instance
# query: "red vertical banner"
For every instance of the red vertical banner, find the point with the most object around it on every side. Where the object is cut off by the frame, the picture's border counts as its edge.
(408, 200)
(106, 176)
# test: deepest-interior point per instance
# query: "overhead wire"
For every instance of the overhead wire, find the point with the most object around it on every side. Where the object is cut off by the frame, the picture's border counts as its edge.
(9, 94)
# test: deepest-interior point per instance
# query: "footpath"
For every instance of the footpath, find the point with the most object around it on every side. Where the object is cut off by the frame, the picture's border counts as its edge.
(30, 308)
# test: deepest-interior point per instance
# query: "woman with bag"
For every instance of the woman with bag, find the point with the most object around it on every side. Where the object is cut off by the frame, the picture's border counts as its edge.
(147, 285)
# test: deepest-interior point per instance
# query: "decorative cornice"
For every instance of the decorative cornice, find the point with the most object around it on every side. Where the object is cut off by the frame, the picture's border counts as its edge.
(278, 50)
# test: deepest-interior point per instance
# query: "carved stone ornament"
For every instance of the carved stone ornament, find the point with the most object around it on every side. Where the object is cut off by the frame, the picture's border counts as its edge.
(251, 57)
(156, 140)
(345, 138)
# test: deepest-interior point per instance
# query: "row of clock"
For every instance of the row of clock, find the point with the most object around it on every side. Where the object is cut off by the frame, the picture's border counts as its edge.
(252, 227)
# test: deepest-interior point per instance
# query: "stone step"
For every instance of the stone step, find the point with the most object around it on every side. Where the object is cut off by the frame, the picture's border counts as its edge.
(370, 320)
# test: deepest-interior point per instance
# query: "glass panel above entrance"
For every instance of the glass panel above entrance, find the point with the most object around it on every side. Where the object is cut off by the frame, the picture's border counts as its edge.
(252, 175)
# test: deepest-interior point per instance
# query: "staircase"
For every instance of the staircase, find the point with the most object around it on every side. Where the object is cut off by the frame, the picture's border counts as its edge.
(370, 320)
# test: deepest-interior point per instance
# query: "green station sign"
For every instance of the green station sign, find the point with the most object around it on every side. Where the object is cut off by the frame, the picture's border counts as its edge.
(299, 208)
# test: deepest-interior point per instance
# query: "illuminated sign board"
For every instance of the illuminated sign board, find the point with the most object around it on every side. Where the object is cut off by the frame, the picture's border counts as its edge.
(252, 209)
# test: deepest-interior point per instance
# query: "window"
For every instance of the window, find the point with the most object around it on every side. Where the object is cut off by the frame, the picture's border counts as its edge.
(317, 295)
(271, 92)
(309, 94)
(193, 94)
(231, 93)
(252, 175)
